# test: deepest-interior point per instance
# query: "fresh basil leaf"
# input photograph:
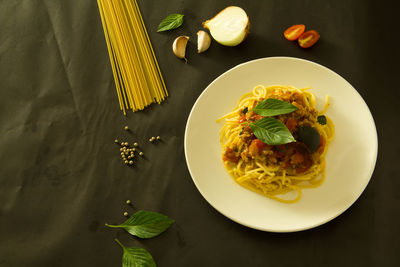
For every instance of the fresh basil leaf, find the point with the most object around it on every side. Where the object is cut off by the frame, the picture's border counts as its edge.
(145, 224)
(321, 119)
(272, 131)
(136, 257)
(309, 136)
(171, 22)
(273, 107)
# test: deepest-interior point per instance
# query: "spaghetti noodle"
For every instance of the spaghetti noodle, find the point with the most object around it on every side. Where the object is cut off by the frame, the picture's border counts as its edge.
(135, 68)
(279, 172)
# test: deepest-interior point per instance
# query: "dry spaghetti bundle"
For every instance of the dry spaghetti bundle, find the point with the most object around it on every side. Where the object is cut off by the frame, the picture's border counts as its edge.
(137, 76)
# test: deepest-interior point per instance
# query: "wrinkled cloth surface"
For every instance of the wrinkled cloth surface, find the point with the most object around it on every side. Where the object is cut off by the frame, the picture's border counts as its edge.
(61, 175)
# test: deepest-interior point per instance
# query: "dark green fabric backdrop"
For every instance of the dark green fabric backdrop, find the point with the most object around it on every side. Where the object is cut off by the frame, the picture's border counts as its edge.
(61, 177)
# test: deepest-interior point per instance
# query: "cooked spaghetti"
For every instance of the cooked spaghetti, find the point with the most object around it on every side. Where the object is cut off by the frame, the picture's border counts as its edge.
(137, 76)
(281, 171)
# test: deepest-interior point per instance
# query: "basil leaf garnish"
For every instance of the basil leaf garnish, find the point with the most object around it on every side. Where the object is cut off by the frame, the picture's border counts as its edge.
(309, 136)
(272, 131)
(273, 107)
(321, 119)
(136, 257)
(171, 22)
(145, 224)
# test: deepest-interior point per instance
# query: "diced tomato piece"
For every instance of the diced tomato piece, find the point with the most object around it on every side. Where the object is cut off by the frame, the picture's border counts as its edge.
(255, 117)
(293, 32)
(304, 166)
(260, 144)
(291, 124)
(242, 119)
(256, 147)
(230, 155)
(297, 158)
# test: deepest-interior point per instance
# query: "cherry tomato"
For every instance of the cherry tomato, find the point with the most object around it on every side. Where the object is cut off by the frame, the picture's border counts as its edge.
(242, 119)
(308, 39)
(293, 32)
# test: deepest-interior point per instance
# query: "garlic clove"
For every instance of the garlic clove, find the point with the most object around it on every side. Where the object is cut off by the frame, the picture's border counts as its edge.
(179, 46)
(230, 26)
(203, 41)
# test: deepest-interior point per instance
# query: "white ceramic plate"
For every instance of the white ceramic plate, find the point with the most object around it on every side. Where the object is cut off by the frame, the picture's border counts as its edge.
(350, 159)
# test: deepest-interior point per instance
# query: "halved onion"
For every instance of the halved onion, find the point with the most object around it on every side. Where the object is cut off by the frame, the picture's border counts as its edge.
(229, 27)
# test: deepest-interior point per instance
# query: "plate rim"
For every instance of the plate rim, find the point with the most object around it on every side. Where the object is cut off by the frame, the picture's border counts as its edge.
(266, 229)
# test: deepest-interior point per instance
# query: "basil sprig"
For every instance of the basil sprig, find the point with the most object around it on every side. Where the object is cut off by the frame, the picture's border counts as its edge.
(136, 257)
(145, 224)
(270, 130)
(171, 22)
(273, 107)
